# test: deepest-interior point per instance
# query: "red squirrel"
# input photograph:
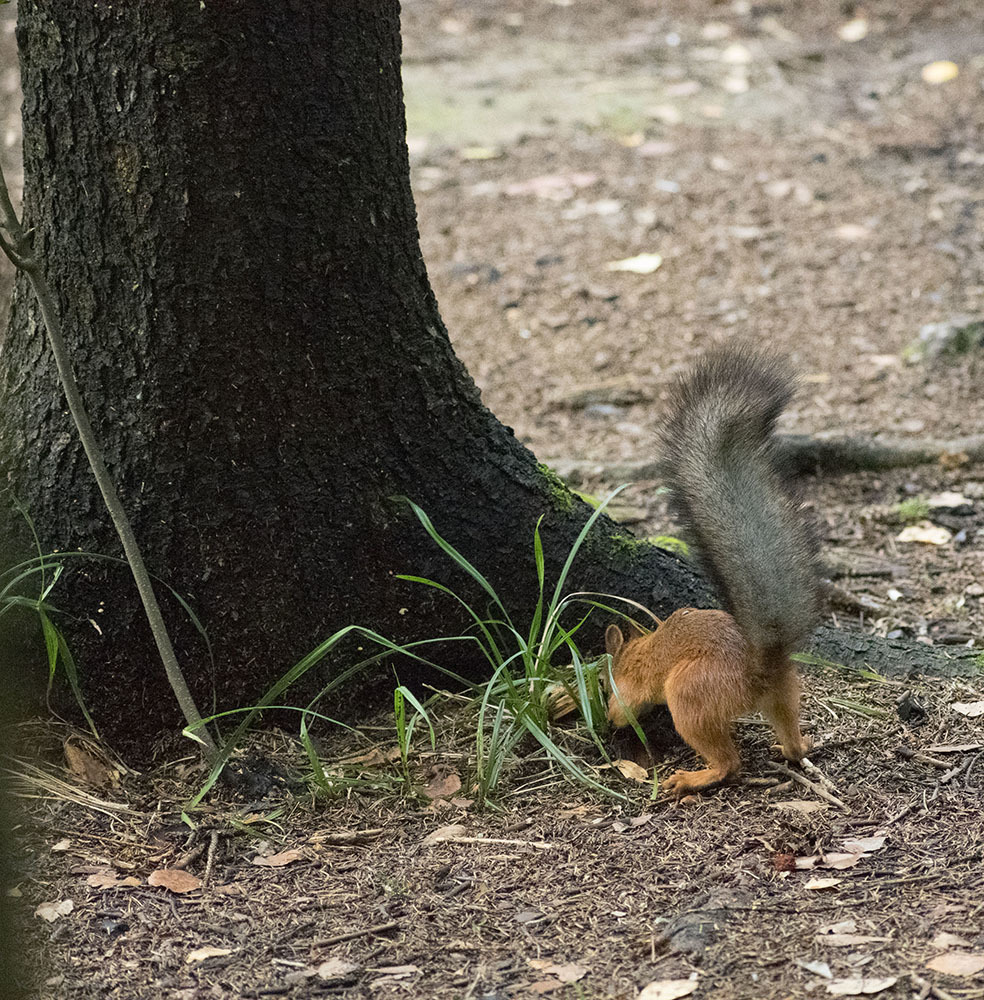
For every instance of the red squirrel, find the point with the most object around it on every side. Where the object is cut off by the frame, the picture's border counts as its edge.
(710, 666)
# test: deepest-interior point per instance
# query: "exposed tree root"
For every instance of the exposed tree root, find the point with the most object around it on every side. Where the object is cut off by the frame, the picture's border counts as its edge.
(806, 453)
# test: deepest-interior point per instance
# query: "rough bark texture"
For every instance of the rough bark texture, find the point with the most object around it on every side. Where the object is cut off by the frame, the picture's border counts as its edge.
(221, 197)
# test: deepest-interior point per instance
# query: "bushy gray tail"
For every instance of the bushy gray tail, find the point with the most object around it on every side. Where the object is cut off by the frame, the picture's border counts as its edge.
(720, 463)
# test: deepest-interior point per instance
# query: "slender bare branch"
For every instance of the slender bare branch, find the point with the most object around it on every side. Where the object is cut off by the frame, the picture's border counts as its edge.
(21, 256)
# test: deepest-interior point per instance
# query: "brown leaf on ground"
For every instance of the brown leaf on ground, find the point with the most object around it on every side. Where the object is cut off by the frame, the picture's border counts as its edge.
(445, 833)
(336, 968)
(631, 770)
(856, 986)
(54, 910)
(668, 989)
(972, 709)
(822, 883)
(800, 805)
(849, 940)
(947, 940)
(444, 782)
(280, 860)
(957, 963)
(568, 973)
(397, 971)
(864, 845)
(200, 954)
(110, 880)
(174, 879)
(87, 767)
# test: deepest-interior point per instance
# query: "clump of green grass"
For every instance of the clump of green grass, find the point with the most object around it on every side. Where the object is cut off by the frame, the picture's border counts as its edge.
(512, 707)
(44, 572)
(913, 509)
(515, 703)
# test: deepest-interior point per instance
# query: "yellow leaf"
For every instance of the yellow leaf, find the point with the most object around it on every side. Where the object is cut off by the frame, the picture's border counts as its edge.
(941, 71)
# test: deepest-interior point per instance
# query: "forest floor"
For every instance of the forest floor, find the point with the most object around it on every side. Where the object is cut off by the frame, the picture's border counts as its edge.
(807, 186)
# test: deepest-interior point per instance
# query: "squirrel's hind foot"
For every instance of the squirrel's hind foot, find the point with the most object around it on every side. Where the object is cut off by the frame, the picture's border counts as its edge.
(682, 783)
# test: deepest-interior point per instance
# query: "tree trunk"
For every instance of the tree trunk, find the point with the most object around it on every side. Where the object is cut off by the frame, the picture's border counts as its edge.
(220, 194)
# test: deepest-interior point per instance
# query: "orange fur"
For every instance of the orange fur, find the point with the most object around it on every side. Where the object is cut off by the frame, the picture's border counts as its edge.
(704, 670)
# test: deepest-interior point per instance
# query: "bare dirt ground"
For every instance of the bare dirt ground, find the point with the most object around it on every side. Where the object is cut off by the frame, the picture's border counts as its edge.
(808, 188)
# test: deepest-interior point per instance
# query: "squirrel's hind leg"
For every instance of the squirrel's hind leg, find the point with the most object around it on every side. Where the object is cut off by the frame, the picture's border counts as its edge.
(780, 705)
(703, 702)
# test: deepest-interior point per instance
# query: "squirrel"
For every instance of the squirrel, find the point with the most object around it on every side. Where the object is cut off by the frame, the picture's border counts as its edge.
(711, 666)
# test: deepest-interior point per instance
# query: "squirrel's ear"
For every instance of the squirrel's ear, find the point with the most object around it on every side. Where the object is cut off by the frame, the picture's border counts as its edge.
(613, 640)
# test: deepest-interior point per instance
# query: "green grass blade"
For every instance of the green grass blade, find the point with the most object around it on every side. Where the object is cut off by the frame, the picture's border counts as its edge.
(450, 550)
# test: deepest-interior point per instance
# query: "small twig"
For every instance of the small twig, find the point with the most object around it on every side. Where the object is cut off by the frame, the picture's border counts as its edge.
(213, 843)
(929, 988)
(352, 935)
(544, 845)
(189, 856)
(923, 758)
(956, 771)
(817, 790)
(815, 772)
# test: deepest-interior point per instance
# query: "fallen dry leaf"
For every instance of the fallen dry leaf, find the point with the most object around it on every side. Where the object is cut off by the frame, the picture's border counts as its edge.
(397, 971)
(852, 231)
(554, 187)
(957, 963)
(667, 989)
(280, 860)
(568, 973)
(445, 833)
(444, 782)
(543, 986)
(643, 263)
(480, 153)
(848, 940)
(856, 986)
(62, 846)
(336, 968)
(946, 940)
(841, 927)
(200, 954)
(972, 709)
(88, 768)
(954, 747)
(864, 845)
(110, 880)
(174, 879)
(817, 968)
(800, 805)
(822, 883)
(926, 533)
(839, 860)
(631, 770)
(948, 500)
(853, 30)
(941, 71)
(54, 910)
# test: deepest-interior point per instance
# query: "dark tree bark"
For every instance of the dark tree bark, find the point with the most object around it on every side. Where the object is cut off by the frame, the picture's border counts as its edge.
(220, 193)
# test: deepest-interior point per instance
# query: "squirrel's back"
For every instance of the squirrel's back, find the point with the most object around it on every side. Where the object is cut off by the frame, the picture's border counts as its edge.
(719, 461)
